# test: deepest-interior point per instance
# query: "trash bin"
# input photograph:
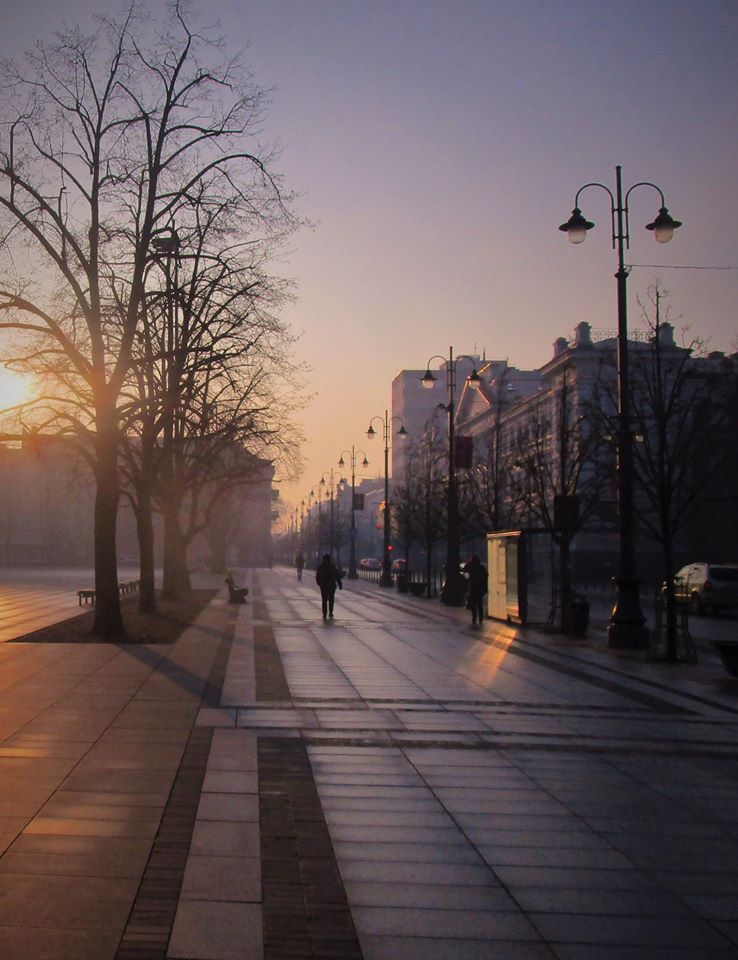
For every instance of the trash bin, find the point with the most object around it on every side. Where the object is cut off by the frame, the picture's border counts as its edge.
(578, 619)
(402, 581)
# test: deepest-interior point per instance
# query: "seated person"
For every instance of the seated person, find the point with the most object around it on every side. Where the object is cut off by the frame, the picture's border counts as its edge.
(235, 594)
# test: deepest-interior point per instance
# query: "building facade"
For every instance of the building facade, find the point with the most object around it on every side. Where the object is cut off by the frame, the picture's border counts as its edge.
(47, 514)
(543, 442)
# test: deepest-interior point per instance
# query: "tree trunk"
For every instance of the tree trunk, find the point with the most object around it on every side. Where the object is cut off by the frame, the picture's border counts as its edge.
(672, 648)
(176, 580)
(108, 623)
(145, 530)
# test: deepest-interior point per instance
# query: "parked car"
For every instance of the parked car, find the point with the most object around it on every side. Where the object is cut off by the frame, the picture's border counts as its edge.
(370, 563)
(399, 566)
(707, 586)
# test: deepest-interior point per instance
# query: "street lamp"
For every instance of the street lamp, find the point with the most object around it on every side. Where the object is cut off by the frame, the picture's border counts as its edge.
(330, 491)
(386, 578)
(317, 536)
(627, 623)
(352, 575)
(452, 591)
(166, 245)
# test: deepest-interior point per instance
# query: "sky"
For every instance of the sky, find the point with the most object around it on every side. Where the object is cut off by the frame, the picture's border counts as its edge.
(436, 145)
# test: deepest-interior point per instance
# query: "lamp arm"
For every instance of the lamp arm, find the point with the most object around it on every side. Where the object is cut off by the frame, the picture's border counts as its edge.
(602, 186)
(645, 183)
(436, 357)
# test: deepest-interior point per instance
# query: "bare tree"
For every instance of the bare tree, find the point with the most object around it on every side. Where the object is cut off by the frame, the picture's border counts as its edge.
(558, 475)
(682, 404)
(104, 139)
(212, 380)
(420, 500)
(483, 489)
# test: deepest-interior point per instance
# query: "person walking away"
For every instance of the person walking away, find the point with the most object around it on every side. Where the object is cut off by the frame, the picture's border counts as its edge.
(299, 564)
(477, 579)
(328, 577)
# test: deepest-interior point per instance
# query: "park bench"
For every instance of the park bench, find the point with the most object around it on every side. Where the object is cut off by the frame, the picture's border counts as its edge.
(235, 594)
(124, 587)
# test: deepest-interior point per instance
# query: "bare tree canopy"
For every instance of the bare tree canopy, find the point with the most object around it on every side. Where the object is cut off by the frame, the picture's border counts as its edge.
(106, 141)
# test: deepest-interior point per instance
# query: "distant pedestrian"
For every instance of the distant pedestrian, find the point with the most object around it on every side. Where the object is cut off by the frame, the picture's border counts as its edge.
(328, 577)
(476, 574)
(299, 564)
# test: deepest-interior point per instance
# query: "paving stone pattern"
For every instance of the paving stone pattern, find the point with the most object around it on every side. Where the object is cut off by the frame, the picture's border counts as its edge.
(306, 913)
(387, 785)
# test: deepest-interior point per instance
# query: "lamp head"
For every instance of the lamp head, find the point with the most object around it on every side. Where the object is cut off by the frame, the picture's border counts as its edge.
(576, 226)
(341, 462)
(663, 226)
(474, 380)
(371, 432)
(365, 462)
(428, 380)
(402, 432)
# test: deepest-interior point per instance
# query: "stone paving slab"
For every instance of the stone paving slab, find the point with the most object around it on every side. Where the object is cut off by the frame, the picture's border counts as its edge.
(388, 784)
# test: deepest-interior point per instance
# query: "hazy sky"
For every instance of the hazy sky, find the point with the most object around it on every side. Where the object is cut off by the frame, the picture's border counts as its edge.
(437, 146)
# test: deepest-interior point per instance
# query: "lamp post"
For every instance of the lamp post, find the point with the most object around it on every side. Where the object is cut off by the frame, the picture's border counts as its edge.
(352, 575)
(331, 488)
(166, 245)
(319, 536)
(627, 623)
(386, 578)
(452, 592)
(308, 537)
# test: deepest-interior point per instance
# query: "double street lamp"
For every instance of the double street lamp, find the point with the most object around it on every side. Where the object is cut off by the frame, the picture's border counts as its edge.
(352, 575)
(329, 493)
(452, 591)
(627, 623)
(386, 578)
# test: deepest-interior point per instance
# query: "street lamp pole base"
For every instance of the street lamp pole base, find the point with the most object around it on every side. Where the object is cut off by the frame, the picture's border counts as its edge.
(385, 581)
(627, 627)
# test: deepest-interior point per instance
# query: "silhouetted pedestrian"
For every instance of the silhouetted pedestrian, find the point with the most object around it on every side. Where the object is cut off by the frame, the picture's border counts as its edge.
(476, 574)
(328, 577)
(299, 564)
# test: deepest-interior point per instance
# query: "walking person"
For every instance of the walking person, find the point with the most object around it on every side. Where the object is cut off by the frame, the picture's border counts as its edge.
(328, 577)
(476, 574)
(299, 564)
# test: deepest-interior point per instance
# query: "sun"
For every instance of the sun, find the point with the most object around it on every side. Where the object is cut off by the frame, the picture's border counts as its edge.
(14, 389)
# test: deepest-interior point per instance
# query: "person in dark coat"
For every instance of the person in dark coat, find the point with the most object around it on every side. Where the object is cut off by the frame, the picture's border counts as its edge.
(299, 563)
(476, 574)
(328, 577)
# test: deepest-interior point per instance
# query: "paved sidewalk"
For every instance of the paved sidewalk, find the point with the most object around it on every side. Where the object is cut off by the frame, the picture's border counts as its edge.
(388, 785)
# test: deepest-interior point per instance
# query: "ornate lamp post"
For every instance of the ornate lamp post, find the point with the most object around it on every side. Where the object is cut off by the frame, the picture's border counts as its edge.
(329, 494)
(308, 538)
(386, 578)
(452, 592)
(352, 575)
(627, 622)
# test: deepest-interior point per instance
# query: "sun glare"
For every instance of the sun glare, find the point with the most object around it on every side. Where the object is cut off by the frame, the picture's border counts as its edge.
(14, 389)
